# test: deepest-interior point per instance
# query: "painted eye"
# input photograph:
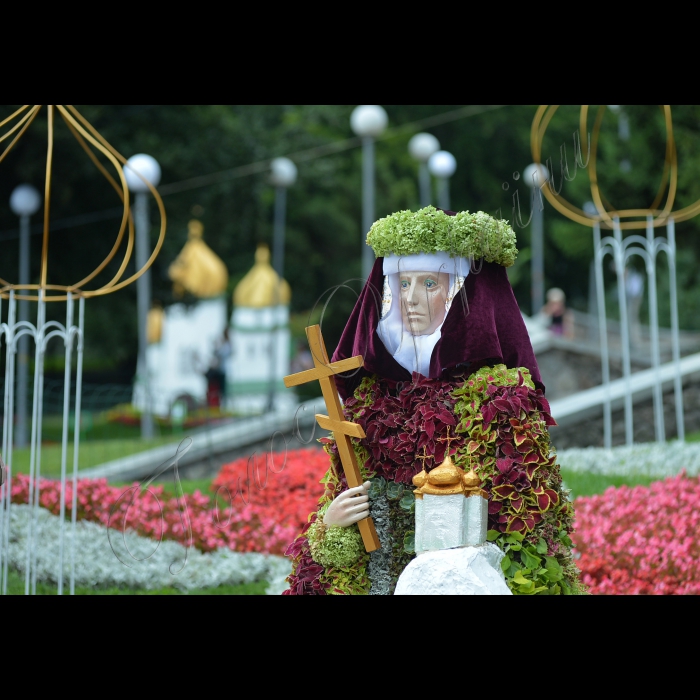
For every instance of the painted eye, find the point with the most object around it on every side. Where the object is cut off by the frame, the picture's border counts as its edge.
(430, 284)
(404, 284)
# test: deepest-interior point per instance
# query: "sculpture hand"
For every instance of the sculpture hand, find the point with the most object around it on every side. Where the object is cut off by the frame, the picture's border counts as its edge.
(348, 508)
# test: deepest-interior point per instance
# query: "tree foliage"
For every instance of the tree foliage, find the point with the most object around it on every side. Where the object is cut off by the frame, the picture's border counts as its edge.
(324, 233)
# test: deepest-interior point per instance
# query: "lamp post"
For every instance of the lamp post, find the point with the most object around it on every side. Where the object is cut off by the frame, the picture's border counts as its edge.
(25, 201)
(147, 167)
(368, 122)
(421, 147)
(442, 165)
(535, 176)
(283, 175)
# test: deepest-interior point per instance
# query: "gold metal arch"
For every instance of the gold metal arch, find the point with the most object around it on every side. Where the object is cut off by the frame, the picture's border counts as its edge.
(90, 140)
(606, 212)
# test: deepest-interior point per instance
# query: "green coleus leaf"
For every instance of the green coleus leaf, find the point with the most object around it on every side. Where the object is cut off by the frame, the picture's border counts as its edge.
(515, 537)
(409, 542)
(530, 560)
(505, 564)
(520, 579)
(541, 546)
(492, 535)
(552, 564)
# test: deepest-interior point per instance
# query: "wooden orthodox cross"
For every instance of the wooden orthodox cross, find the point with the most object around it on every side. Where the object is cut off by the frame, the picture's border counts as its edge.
(335, 421)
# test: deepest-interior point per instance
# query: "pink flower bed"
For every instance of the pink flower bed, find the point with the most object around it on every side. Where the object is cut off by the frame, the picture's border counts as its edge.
(641, 540)
(269, 506)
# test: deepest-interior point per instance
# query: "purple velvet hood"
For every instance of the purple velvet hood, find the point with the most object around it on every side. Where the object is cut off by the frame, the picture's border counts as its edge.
(484, 326)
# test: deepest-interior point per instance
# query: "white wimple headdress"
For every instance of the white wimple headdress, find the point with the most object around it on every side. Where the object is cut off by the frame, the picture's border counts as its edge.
(413, 352)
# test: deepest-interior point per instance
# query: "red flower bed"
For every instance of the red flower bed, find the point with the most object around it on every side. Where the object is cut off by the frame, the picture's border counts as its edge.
(641, 540)
(270, 503)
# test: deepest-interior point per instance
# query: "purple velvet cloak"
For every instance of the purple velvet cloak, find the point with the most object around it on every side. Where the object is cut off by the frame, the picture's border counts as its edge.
(483, 327)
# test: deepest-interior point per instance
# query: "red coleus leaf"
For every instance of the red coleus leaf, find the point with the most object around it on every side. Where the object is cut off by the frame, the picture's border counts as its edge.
(543, 501)
(526, 446)
(504, 465)
(516, 525)
(548, 419)
(553, 496)
(530, 470)
(507, 449)
(472, 447)
(505, 491)
(517, 503)
(531, 458)
(495, 507)
(489, 413)
(520, 438)
(501, 405)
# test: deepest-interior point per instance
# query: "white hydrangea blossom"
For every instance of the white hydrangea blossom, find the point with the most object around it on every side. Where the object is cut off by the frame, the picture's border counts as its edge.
(107, 558)
(657, 460)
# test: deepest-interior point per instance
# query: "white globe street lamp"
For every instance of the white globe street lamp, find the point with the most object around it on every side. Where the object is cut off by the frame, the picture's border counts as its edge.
(421, 147)
(283, 174)
(137, 169)
(25, 201)
(442, 165)
(536, 176)
(368, 122)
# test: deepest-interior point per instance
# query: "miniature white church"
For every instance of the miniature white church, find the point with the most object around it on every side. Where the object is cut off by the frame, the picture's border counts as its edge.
(182, 338)
(260, 340)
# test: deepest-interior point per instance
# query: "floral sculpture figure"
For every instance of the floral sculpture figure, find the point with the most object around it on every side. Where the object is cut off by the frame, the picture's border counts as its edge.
(446, 354)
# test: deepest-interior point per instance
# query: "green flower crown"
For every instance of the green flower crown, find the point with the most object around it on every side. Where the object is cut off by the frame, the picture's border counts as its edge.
(429, 230)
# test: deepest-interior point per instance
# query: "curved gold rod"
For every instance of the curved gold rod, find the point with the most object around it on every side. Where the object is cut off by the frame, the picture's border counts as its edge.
(672, 158)
(47, 201)
(669, 177)
(26, 120)
(35, 109)
(117, 160)
(557, 201)
(159, 202)
(126, 217)
(13, 115)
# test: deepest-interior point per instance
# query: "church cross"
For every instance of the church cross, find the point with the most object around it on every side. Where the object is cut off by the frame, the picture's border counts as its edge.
(425, 456)
(335, 421)
(448, 440)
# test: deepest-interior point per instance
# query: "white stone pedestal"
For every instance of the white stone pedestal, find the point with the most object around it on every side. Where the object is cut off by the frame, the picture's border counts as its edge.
(461, 571)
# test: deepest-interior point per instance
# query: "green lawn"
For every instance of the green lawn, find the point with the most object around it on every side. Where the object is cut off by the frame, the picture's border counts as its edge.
(16, 587)
(92, 454)
(582, 484)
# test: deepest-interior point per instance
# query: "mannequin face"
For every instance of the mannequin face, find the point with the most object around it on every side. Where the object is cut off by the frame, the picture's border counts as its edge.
(423, 297)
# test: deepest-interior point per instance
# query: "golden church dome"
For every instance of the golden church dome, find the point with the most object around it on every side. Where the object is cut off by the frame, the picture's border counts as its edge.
(261, 287)
(445, 480)
(154, 324)
(198, 270)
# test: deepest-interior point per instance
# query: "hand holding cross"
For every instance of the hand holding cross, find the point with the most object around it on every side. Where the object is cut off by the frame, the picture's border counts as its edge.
(335, 421)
